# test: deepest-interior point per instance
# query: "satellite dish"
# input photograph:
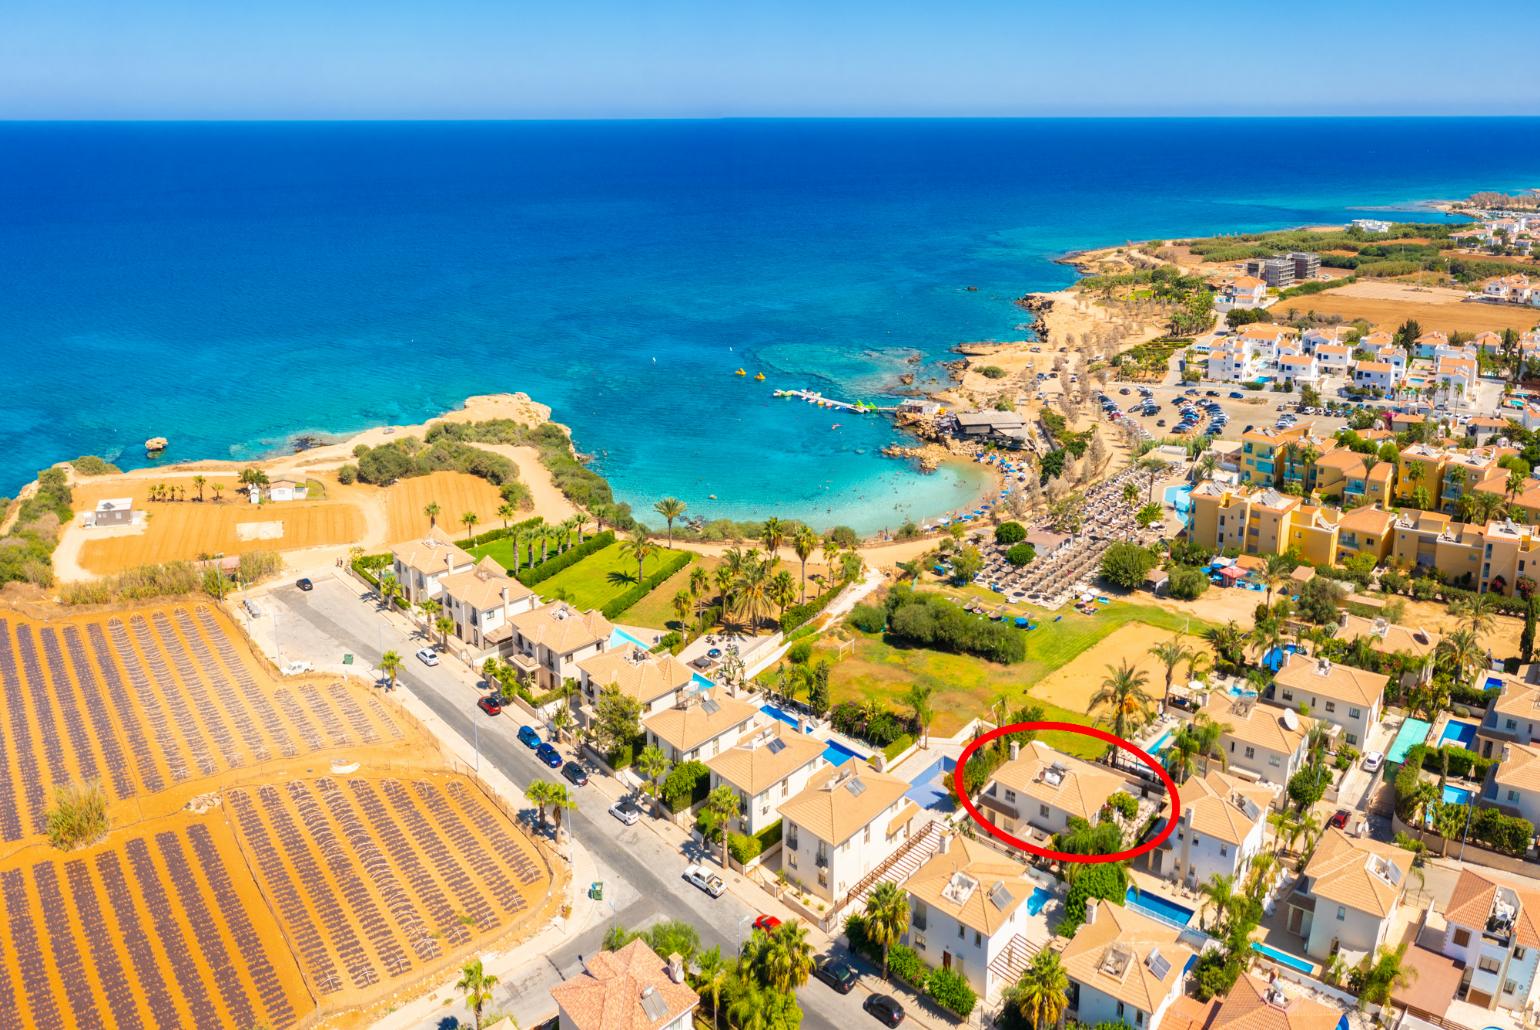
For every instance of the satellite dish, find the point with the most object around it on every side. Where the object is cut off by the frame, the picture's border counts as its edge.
(1291, 718)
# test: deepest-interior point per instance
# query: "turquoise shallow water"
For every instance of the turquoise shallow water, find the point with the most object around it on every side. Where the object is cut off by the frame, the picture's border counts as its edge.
(231, 285)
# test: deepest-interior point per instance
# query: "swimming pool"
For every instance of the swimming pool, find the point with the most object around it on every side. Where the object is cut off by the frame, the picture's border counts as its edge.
(1275, 657)
(1283, 958)
(1456, 795)
(1462, 734)
(1179, 497)
(1411, 733)
(1493, 683)
(836, 753)
(929, 788)
(1039, 898)
(781, 716)
(1161, 744)
(1160, 908)
(620, 636)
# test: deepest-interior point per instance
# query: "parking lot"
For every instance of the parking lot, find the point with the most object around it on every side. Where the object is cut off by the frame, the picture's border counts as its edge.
(1235, 409)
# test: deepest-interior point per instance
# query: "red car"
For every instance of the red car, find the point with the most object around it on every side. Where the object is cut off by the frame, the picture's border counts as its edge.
(1340, 819)
(490, 704)
(766, 923)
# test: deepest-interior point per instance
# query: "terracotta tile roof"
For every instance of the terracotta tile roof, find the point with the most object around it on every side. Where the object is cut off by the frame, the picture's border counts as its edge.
(1267, 331)
(1256, 724)
(562, 628)
(429, 554)
(765, 758)
(1081, 789)
(1332, 679)
(1470, 904)
(1359, 873)
(637, 673)
(482, 587)
(1373, 366)
(1215, 805)
(1254, 1004)
(686, 727)
(1388, 637)
(840, 802)
(962, 881)
(1520, 767)
(1188, 1013)
(1246, 282)
(609, 994)
(1519, 700)
(1383, 470)
(1112, 954)
(1366, 520)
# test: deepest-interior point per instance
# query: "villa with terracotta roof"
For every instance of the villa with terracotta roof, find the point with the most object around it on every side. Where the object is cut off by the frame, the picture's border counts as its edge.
(421, 565)
(628, 989)
(549, 642)
(700, 726)
(1241, 291)
(1513, 784)
(968, 914)
(1513, 717)
(1493, 930)
(1390, 638)
(1257, 1004)
(842, 826)
(1261, 742)
(654, 681)
(1045, 789)
(1223, 821)
(1348, 895)
(1124, 966)
(481, 600)
(1339, 694)
(767, 766)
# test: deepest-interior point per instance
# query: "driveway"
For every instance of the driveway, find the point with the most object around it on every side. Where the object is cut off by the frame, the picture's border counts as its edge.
(641, 869)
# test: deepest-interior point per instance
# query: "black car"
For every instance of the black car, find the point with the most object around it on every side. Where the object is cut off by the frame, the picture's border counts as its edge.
(886, 1008)
(576, 774)
(305, 585)
(841, 976)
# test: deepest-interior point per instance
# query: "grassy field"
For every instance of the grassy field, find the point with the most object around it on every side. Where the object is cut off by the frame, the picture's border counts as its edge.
(656, 610)
(967, 687)
(603, 575)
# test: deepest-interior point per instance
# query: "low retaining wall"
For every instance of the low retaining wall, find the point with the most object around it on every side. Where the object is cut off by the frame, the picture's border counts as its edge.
(1480, 854)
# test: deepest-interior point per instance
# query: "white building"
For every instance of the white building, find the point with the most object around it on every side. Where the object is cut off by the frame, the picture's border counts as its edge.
(1339, 694)
(700, 726)
(843, 825)
(767, 766)
(1297, 368)
(1375, 375)
(1044, 789)
(421, 565)
(1223, 822)
(1123, 965)
(1243, 291)
(481, 600)
(968, 914)
(278, 490)
(1491, 930)
(1348, 895)
(1334, 358)
(1513, 784)
(549, 643)
(1261, 742)
(653, 681)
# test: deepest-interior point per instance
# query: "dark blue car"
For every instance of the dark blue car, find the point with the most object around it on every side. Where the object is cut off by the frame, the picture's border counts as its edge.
(528, 737)
(549, 755)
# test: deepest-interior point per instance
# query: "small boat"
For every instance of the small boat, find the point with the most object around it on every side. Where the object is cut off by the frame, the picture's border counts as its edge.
(740, 372)
(711, 497)
(835, 426)
(759, 377)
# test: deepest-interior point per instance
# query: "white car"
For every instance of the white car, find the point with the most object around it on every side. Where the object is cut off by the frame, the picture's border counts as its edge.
(1372, 761)
(706, 880)
(627, 811)
(427, 656)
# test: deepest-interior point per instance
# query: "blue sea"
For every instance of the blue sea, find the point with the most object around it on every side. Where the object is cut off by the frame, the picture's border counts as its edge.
(230, 285)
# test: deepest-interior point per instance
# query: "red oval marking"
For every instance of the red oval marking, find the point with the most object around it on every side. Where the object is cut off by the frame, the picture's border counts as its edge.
(1072, 727)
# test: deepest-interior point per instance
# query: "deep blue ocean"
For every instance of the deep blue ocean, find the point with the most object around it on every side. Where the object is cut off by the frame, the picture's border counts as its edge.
(231, 285)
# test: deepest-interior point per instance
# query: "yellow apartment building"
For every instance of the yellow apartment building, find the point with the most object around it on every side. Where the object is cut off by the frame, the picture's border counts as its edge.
(1261, 522)
(1262, 453)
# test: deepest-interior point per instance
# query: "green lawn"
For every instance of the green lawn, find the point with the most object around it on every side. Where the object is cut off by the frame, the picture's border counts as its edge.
(595, 580)
(966, 687)
(656, 610)
(500, 549)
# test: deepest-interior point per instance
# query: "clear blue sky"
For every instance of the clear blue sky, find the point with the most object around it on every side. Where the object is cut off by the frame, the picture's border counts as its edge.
(709, 58)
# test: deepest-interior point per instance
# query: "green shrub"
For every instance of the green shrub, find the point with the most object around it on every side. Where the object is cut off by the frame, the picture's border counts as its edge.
(671, 642)
(951, 991)
(1308, 785)
(991, 371)
(868, 618)
(898, 747)
(347, 475)
(932, 620)
(686, 784)
(91, 465)
(530, 575)
(769, 837)
(1021, 554)
(78, 816)
(743, 847)
(1126, 564)
(1010, 533)
(1123, 804)
(800, 653)
(798, 614)
(1187, 583)
(907, 966)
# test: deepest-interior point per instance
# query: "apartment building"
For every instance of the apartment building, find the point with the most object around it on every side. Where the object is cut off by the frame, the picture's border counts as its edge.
(767, 766)
(1347, 895)
(1491, 557)
(1492, 929)
(1044, 789)
(1365, 531)
(1335, 693)
(1263, 452)
(846, 822)
(1124, 967)
(1259, 522)
(967, 913)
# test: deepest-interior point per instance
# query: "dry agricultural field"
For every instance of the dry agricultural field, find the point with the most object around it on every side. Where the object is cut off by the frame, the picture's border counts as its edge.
(280, 851)
(454, 492)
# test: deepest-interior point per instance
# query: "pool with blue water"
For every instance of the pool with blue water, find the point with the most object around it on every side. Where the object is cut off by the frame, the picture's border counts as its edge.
(1283, 958)
(836, 753)
(1461, 734)
(1160, 908)
(1039, 898)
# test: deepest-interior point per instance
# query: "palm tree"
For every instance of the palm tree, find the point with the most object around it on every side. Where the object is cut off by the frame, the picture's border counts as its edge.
(1478, 612)
(469, 520)
(1042, 993)
(653, 764)
(803, 542)
(749, 1008)
(477, 984)
(700, 581)
(670, 508)
(785, 958)
(429, 609)
(711, 975)
(218, 488)
(682, 604)
(1123, 694)
(198, 482)
(723, 806)
(772, 535)
(445, 626)
(640, 549)
(887, 917)
(1228, 642)
(390, 589)
(562, 721)
(1205, 734)
(1461, 652)
(1377, 980)
(1276, 570)
(390, 664)
(560, 801)
(1218, 897)
(781, 592)
(539, 794)
(432, 511)
(1260, 877)
(1130, 494)
(918, 700)
(505, 512)
(1171, 653)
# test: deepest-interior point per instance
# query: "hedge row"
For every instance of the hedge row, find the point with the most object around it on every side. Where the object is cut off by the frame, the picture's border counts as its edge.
(1462, 763)
(797, 614)
(670, 565)
(898, 747)
(530, 575)
(946, 988)
(497, 534)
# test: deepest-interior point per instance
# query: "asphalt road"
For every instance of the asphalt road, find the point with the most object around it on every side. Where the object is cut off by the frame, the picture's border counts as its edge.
(641, 871)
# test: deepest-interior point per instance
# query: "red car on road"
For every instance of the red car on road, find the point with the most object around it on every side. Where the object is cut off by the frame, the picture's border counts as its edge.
(1339, 820)
(767, 923)
(490, 704)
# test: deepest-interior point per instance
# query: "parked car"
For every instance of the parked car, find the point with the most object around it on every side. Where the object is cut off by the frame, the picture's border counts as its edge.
(767, 923)
(548, 754)
(491, 704)
(1124, 391)
(305, 585)
(252, 609)
(528, 737)
(627, 811)
(427, 656)
(575, 774)
(1372, 761)
(1236, 395)
(841, 976)
(886, 1008)
(1160, 422)
(1339, 820)
(705, 879)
